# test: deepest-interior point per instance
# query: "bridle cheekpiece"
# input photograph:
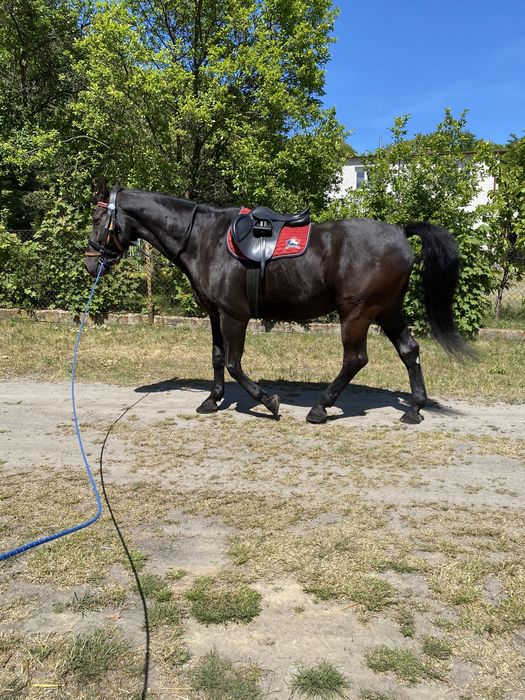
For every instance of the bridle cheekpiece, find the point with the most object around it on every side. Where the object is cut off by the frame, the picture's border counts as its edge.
(106, 251)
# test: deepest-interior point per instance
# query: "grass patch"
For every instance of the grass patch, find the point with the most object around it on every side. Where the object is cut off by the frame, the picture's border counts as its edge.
(218, 678)
(89, 600)
(164, 613)
(90, 657)
(436, 647)
(154, 586)
(176, 574)
(321, 511)
(139, 559)
(407, 622)
(370, 592)
(323, 681)
(460, 581)
(44, 350)
(403, 663)
(73, 560)
(365, 694)
(215, 602)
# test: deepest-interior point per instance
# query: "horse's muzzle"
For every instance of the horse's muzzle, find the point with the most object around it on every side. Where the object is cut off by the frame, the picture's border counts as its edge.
(91, 263)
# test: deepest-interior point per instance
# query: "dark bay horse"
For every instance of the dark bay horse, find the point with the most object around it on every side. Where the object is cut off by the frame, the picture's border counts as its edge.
(358, 267)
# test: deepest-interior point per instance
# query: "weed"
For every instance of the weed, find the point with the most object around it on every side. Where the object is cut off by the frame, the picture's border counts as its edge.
(214, 602)
(92, 656)
(163, 613)
(218, 678)
(401, 662)
(323, 681)
(436, 647)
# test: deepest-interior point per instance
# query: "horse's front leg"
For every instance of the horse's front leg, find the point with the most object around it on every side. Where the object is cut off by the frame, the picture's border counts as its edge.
(234, 333)
(210, 404)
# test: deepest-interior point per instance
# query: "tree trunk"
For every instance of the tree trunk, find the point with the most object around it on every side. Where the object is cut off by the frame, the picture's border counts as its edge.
(501, 288)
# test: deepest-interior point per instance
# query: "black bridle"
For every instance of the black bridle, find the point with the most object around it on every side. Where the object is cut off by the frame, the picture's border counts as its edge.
(111, 249)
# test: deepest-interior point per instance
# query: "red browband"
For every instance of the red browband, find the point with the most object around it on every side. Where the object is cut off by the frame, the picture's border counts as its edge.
(104, 205)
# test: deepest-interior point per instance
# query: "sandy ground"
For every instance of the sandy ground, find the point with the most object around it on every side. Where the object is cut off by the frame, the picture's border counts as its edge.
(31, 412)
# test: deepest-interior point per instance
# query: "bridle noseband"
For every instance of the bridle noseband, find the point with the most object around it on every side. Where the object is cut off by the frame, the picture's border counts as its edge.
(106, 251)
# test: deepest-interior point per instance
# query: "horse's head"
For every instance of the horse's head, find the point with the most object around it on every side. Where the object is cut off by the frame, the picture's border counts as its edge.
(108, 240)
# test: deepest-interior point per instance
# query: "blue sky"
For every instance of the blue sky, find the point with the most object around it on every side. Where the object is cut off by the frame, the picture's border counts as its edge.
(393, 58)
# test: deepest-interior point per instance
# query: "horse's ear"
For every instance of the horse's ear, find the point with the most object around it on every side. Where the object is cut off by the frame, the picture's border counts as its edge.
(101, 190)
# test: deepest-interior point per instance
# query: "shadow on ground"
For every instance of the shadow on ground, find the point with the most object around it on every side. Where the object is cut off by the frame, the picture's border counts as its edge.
(356, 400)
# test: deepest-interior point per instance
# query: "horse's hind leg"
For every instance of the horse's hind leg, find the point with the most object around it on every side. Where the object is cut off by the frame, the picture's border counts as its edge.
(234, 333)
(407, 348)
(353, 333)
(209, 405)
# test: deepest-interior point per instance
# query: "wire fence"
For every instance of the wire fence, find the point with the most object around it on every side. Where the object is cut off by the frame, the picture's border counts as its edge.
(38, 274)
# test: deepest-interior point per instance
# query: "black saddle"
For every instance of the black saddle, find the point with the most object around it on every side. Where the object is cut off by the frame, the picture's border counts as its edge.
(255, 235)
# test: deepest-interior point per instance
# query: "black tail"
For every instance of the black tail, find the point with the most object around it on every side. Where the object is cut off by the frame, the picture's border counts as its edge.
(440, 277)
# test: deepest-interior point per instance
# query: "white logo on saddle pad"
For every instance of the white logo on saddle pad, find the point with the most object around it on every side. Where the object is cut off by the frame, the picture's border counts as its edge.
(292, 243)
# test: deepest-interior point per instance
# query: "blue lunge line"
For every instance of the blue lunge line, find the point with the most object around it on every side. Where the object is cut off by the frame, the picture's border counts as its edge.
(75, 528)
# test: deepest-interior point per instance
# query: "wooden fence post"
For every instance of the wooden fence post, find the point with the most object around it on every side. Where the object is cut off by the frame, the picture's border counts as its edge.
(149, 286)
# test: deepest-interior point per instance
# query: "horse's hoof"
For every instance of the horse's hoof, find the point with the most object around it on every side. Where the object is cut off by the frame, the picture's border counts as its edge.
(208, 406)
(411, 418)
(272, 403)
(317, 415)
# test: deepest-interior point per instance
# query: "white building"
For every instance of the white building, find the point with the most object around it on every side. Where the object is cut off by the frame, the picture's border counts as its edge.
(354, 174)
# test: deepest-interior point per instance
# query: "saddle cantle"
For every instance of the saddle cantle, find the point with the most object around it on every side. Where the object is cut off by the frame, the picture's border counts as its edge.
(253, 237)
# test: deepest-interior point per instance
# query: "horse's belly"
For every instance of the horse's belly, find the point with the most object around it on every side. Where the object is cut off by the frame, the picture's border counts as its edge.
(283, 309)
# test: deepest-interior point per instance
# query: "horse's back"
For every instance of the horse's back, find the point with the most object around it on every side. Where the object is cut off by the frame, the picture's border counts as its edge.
(350, 262)
(363, 241)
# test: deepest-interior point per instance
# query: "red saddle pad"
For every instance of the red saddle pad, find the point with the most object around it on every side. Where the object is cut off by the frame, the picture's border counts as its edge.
(292, 241)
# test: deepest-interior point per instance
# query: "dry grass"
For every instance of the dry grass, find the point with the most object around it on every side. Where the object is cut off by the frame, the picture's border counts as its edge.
(448, 581)
(142, 354)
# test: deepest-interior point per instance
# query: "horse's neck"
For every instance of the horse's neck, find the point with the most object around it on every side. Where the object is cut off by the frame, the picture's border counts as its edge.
(159, 220)
(164, 222)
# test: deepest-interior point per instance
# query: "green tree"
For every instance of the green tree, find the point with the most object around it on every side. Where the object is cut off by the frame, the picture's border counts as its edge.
(504, 216)
(431, 177)
(219, 102)
(37, 40)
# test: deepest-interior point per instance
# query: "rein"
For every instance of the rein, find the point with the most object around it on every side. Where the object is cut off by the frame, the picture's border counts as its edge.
(90, 521)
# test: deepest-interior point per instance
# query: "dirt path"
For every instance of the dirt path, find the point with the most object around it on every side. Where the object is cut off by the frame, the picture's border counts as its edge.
(37, 439)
